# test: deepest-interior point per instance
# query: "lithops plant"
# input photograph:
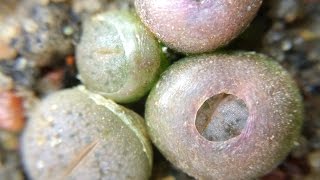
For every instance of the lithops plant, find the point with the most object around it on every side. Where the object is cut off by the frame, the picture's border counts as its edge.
(76, 134)
(118, 57)
(196, 26)
(224, 116)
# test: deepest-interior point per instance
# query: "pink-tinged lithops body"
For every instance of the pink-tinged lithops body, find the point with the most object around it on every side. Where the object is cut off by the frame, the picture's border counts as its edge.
(232, 116)
(76, 134)
(195, 26)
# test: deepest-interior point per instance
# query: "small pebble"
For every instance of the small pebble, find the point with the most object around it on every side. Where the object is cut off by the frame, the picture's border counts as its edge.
(11, 112)
(314, 161)
(51, 82)
(6, 83)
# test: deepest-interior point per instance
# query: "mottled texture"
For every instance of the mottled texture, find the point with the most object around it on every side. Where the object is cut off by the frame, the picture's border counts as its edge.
(118, 57)
(42, 32)
(9, 30)
(221, 117)
(75, 134)
(197, 26)
(273, 124)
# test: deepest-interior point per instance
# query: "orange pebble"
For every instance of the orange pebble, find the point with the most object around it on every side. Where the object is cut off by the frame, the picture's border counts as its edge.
(70, 60)
(11, 112)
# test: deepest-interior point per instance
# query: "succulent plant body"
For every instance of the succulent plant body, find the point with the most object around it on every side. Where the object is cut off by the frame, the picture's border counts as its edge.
(118, 57)
(197, 26)
(224, 116)
(76, 134)
(215, 116)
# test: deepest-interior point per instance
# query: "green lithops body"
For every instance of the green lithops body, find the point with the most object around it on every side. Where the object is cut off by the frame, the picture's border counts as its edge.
(225, 116)
(118, 57)
(76, 134)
